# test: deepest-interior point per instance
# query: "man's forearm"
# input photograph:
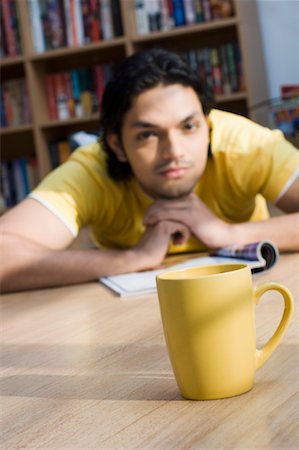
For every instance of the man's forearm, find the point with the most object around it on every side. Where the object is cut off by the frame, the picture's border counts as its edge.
(282, 230)
(33, 266)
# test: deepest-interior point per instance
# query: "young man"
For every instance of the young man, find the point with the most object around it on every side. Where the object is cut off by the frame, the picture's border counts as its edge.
(170, 175)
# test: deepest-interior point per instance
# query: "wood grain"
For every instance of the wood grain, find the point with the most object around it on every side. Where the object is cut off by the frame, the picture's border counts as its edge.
(82, 368)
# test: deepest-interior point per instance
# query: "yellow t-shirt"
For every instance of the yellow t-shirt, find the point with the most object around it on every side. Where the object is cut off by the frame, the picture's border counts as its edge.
(248, 164)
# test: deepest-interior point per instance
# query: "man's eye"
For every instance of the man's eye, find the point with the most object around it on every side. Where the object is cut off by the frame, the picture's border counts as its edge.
(190, 126)
(145, 135)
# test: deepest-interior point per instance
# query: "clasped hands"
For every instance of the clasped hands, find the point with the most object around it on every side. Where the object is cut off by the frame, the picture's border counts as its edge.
(175, 220)
(191, 217)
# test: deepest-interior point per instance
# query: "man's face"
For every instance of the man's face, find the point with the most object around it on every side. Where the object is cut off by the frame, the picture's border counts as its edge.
(165, 139)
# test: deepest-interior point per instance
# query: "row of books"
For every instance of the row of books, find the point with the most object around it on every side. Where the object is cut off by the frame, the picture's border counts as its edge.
(60, 23)
(18, 178)
(77, 93)
(219, 68)
(10, 41)
(60, 149)
(14, 103)
(156, 15)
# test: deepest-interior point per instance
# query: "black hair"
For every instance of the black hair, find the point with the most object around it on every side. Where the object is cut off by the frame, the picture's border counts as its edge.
(138, 73)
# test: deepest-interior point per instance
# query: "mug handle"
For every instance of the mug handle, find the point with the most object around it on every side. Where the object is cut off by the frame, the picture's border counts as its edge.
(266, 351)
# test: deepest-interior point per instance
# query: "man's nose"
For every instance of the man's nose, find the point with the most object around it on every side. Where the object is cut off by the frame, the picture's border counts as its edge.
(171, 147)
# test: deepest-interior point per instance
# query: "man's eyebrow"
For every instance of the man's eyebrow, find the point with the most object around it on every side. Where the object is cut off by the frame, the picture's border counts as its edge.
(143, 124)
(191, 116)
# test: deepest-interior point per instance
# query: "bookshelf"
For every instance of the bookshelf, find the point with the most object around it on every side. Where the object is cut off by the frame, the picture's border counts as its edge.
(31, 140)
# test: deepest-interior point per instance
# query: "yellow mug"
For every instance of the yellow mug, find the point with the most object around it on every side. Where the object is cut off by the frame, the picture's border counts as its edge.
(209, 327)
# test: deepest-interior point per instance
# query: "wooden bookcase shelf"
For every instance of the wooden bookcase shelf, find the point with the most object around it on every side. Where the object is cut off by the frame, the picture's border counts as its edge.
(69, 122)
(201, 28)
(16, 130)
(11, 61)
(80, 50)
(32, 140)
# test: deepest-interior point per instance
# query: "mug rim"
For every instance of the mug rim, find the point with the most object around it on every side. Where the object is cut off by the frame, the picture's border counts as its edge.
(171, 274)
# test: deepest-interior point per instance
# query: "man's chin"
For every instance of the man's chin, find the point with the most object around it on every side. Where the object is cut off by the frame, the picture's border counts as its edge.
(173, 192)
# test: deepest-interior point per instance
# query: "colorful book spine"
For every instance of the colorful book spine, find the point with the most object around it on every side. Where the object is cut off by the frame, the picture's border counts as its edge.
(106, 19)
(46, 26)
(192, 58)
(142, 23)
(227, 89)
(153, 15)
(216, 72)
(8, 27)
(68, 22)
(36, 26)
(179, 13)
(26, 109)
(53, 153)
(85, 7)
(13, 93)
(94, 21)
(7, 184)
(116, 18)
(61, 97)
(171, 13)
(189, 11)
(56, 24)
(166, 23)
(239, 66)
(73, 23)
(208, 69)
(64, 151)
(3, 45)
(32, 173)
(14, 13)
(7, 106)
(76, 92)
(2, 109)
(99, 81)
(78, 17)
(69, 94)
(51, 96)
(198, 11)
(18, 177)
(15, 108)
(25, 179)
(232, 68)
(207, 11)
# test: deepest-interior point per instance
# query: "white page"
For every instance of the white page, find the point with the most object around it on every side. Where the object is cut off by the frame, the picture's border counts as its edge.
(145, 282)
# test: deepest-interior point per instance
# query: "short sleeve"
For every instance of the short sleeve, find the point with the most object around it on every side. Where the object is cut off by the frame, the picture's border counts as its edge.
(283, 168)
(262, 161)
(75, 191)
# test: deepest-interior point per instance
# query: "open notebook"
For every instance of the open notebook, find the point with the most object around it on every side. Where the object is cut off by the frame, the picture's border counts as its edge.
(259, 256)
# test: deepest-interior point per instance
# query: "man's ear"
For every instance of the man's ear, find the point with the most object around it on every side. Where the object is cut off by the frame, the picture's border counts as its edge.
(116, 146)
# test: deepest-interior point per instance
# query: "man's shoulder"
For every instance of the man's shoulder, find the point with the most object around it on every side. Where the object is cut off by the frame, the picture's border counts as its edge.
(235, 133)
(218, 117)
(92, 154)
